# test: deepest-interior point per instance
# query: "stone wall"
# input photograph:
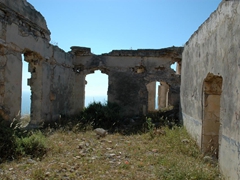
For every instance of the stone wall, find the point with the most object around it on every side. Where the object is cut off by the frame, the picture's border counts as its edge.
(58, 78)
(129, 72)
(23, 32)
(211, 84)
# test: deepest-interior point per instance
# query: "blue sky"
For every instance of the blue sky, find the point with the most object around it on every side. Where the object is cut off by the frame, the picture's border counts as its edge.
(104, 25)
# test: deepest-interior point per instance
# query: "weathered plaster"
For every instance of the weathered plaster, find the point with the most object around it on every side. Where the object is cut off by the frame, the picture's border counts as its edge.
(214, 48)
(58, 78)
(23, 30)
(129, 73)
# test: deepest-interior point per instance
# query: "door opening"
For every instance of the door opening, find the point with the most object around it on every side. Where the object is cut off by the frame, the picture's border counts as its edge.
(212, 89)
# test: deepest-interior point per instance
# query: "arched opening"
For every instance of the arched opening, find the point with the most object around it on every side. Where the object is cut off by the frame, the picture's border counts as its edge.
(212, 89)
(163, 95)
(96, 88)
(176, 66)
(152, 94)
(157, 95)
(26, 92)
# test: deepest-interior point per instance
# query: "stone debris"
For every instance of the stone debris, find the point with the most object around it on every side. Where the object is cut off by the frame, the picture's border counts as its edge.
(31, 161)
(10, 169)
(100, 132)
(185, 141)
(208, 159)
(159, 132)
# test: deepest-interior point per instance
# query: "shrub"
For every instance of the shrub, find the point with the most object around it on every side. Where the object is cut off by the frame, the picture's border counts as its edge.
(7, 140)
(105, 115)
(150, 127)
(15, 141)
(165, 117)
(33, 145)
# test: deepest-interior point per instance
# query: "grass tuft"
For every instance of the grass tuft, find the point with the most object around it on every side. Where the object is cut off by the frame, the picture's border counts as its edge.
(149, 147)
(81, 155)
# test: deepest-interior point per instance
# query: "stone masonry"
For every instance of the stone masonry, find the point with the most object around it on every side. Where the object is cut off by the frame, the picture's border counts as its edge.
(211, 62)
(210, 103)
(58, 78)
(129, 73)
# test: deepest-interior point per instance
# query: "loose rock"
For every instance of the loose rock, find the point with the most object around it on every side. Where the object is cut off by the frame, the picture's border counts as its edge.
(100, 132)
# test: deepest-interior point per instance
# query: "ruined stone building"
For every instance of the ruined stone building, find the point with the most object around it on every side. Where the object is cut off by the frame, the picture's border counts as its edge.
(211, 102)
(58, 78)
(210, 61)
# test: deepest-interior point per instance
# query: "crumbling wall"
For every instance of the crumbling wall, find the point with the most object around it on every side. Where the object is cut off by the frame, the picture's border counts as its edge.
(58, 78)
(23, 31)
(214, 49)
(151, 88)
(129, 73)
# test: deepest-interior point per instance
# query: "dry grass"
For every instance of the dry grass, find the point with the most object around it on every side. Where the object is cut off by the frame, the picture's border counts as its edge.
(83, 156)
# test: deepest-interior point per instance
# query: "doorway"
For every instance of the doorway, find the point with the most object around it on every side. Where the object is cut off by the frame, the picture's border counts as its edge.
(212, 89)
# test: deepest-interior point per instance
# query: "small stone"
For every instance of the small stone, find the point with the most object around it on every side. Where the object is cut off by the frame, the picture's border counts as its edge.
(94, 157)
(47, 173)
(207, 159)
(159, 132)
(185, 141)
(10, 169)
(30, 161)
(155, 150)
(100, 132)
(81, 145)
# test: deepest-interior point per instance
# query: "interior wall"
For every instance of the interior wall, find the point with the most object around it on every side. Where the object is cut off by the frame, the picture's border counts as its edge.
(58, 78)
(151, 87)
(163, 95)
(214, 48)
(130, 72)
(23, 30)
(212, 89)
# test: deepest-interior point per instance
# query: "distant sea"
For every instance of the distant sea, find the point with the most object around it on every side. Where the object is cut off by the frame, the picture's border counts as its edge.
(88, 99)
(91, 99)
(26, 101)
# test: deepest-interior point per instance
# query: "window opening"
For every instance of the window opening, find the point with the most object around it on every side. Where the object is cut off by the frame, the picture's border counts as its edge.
(96, 88)
(174, 66)
(163, 95)
(26, 92)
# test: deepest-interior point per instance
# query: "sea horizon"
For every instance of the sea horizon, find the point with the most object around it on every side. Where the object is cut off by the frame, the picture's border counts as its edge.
(26, 102)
